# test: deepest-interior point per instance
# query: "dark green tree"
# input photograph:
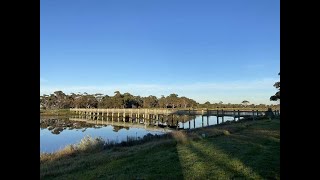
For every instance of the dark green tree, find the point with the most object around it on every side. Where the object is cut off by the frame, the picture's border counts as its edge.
(245, 102)
(277, 95)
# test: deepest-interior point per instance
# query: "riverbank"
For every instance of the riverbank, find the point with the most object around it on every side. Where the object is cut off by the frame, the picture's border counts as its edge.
(246, 149)
(56, 112)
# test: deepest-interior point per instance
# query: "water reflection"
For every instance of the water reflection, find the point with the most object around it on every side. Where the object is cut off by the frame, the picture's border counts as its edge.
(56, 133)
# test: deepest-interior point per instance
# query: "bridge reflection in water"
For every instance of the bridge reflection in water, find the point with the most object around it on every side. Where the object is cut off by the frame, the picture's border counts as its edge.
(161, 118)
(165, 122)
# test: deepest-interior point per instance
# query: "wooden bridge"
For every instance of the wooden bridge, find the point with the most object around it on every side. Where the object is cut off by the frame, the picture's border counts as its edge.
(156, 113)
(158, 117)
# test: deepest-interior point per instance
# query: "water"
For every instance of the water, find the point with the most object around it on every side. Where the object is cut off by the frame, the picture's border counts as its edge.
(203, 121)
(56, 133)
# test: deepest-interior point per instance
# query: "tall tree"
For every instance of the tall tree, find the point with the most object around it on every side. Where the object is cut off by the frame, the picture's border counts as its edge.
(150, 102)
(245, 102)
(277, 95)
(173, 100)
(163, 102)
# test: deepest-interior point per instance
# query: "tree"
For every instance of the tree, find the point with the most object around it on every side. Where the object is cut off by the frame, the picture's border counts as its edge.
(277, 95)
(173, 100)
(150, 102)
(245, 102)
(129, 100)
(98, 96)
(59, 100)
(163, 102)
(185, 102)
(117, 93)
(117, 100)
(86, 101)
(207, 104)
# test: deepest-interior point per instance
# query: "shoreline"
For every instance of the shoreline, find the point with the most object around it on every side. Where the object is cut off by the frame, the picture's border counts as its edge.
(242, 149)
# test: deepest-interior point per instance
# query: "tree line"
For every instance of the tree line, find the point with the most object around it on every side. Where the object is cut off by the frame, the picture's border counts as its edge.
(60, 100)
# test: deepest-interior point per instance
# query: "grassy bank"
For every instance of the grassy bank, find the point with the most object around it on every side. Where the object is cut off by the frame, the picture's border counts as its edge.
(56, 112)
(245, 150)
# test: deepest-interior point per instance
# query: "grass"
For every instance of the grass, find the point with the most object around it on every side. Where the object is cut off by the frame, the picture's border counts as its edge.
(242, 150)
(56, 112)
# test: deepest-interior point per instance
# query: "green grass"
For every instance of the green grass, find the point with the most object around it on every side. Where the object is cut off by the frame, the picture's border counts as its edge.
(243, 150)
(56, 112)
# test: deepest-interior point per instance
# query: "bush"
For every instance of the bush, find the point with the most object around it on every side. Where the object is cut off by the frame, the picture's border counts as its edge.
(88, 144)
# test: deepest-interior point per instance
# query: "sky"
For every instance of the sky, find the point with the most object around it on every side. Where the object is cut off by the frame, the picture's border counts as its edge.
(207, 50)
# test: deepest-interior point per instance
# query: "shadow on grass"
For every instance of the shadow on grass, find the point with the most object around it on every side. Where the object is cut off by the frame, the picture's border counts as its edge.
(256, 148)
(253, 153)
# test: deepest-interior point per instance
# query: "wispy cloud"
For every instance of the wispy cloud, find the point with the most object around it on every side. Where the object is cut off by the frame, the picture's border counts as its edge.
(226, 91)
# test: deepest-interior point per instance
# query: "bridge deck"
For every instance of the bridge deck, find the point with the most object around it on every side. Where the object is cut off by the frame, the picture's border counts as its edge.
(219, 113)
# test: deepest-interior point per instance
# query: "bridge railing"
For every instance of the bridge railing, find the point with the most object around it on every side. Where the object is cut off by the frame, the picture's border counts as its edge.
(115, 110)
(171, 111)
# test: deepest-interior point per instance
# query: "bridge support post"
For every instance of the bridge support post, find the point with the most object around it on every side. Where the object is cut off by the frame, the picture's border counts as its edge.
(183, 123)
(222, 116)
(202, 120)
(118, 116)
(253, 114)
(217, 116)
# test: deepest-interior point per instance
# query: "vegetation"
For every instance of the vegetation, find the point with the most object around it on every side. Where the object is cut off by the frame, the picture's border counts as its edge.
(277, 95)
(245, 102)
(237, 150)
(60, 100)
(56, 112)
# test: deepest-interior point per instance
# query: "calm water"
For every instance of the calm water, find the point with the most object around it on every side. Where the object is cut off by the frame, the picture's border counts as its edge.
(56, 133)
(204, 121)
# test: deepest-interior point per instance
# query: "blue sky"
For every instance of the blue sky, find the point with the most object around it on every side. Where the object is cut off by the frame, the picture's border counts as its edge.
(215, 50)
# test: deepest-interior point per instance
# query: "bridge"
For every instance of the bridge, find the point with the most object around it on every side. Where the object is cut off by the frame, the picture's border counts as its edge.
(156, 114)
(158, 117)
